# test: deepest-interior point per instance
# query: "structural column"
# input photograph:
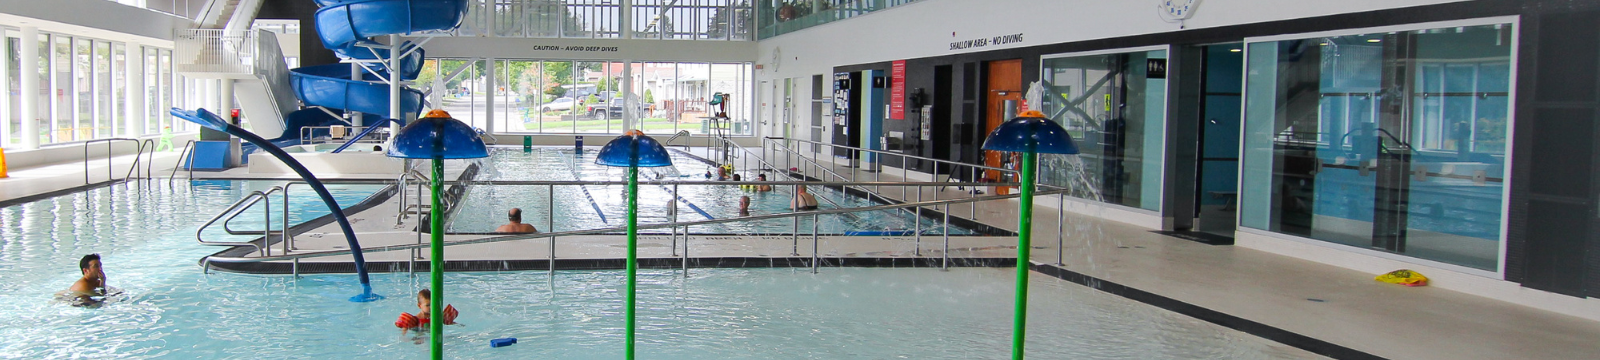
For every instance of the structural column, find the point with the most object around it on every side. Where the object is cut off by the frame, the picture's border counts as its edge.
(133, 53)
(630, 118)
(494, 80)
(394, 86)
(29, 109)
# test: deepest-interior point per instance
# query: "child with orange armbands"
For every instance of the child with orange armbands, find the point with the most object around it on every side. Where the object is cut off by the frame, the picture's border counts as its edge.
(420, 321)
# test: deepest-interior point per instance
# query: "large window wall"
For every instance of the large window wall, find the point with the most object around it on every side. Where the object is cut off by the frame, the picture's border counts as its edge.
(1110, 104)
(567, 97)
(83, 90)
(609, 19)
(1387, 139)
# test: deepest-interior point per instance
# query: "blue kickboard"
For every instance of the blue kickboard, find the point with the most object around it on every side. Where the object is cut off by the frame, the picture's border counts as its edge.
(502, 342)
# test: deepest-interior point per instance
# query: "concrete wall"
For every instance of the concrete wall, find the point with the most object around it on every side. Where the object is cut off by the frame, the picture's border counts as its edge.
(928, 29)
(97, 18)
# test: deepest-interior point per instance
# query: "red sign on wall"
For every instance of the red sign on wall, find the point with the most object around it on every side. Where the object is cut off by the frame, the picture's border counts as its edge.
(897, 90)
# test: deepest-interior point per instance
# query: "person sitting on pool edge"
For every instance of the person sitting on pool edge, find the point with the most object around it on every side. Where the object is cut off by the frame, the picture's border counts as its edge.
(420, 321)
(802, 199)
(93, 282)
(516, 226)
(762, 188)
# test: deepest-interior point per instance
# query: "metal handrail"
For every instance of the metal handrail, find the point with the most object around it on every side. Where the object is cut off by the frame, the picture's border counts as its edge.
(409, 174)
(234, 210)
(681, 133)
(364, 134)
(307, 134)
(841, 177)
(775, 168)
(110, 174)
(148, 174)
(623, 228)
(189, 150)
(886, 152)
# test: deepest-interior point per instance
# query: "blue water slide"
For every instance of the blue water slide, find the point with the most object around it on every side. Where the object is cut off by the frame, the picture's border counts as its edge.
(347, 27)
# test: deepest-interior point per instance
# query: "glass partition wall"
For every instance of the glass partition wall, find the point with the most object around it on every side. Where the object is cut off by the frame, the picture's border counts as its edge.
(609, 19)
(1393, 140)
(1112, 105)
(574, 97)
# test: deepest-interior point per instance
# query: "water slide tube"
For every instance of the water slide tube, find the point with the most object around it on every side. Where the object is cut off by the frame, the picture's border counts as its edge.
(347, 27)
(214, 122)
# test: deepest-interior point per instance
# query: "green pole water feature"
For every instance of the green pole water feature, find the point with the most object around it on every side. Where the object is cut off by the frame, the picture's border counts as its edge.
(436, 263)
(1019, 325)
(633, 248)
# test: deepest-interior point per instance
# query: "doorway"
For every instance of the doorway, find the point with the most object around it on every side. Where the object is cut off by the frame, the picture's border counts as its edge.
(1217, 159)
(1003, 85)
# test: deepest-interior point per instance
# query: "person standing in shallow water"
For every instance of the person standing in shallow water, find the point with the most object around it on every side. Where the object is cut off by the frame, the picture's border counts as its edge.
(744, 205)
(802, 200)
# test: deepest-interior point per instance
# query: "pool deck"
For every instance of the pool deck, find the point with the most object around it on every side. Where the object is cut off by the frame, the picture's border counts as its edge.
(1244, 288)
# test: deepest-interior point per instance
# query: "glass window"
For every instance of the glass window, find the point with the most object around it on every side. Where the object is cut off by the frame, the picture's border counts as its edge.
(1116, 112)
(11, 75)
(61, 84)
(1392, 141)
(152, 93)
(104, 121)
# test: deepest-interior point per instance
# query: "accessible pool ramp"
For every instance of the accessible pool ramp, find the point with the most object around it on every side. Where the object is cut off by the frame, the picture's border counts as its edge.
(396, 246)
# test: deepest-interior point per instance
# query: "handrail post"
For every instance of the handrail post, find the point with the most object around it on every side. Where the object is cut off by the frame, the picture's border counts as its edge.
(266, 228)
(685, 256)
(918, 221)
(795, 250)
(284, 235)
(674, 218)
(945, 265)
(1061, 219)
(815, 257)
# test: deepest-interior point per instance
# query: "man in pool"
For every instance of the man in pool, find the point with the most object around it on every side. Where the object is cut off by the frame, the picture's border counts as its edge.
(762, 188)
(802, 199)
(744, 205)
(93, 282)
(516, 226)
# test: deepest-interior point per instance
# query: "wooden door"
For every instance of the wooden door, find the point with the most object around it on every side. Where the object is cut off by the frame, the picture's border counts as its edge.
(1004, 82)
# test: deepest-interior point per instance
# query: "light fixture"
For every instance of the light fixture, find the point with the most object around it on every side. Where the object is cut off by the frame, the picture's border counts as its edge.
(1235, 50)
(1374, 40)
(633, 150)
(1031, 133)
(437, 136)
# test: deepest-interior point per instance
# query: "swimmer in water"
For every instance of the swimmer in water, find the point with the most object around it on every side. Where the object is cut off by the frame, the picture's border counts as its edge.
(421, 320)
(744, 205)
(762, 188)
(516, 226)
(802, 199)
(93, 282)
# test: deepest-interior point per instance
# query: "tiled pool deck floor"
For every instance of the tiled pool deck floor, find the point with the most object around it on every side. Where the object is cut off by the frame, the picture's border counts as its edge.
(1339, 306)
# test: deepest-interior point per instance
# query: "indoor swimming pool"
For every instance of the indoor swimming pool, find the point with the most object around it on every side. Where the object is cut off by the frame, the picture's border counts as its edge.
(171, 309)
(599, 206)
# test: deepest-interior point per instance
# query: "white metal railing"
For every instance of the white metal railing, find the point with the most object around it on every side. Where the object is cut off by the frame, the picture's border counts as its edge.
(308, 134)
(214, 51)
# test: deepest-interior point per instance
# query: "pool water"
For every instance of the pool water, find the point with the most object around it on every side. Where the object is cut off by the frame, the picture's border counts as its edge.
(484, 206)
(172, 309)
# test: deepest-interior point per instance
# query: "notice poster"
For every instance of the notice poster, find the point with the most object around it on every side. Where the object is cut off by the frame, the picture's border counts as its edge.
(897, 90)
(841, 98)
